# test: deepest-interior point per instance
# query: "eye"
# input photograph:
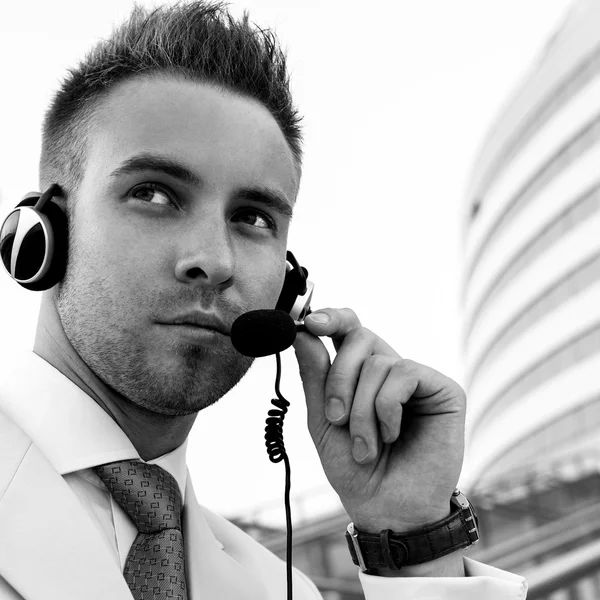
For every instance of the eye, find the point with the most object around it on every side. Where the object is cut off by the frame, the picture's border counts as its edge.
(255, 218)
(152, 194)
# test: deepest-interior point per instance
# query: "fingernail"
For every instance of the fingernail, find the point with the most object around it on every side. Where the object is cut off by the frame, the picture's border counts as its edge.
(319, 317)
(359, 449)
(335, 409)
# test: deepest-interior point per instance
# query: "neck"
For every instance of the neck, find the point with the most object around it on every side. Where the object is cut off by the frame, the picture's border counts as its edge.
(151, 434)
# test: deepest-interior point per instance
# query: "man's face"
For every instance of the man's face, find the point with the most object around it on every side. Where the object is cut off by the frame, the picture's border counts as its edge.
(181, 209)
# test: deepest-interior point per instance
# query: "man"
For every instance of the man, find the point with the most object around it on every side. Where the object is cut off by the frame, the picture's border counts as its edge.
(175, 150)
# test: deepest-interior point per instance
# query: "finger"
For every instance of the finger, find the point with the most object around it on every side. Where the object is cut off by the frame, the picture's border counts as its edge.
(336, 323)
(435, 393)
(363, 417)
(314, 363)
(396, 390)
(431, 422)
(343, 375)
(332, 322)
(425, 390)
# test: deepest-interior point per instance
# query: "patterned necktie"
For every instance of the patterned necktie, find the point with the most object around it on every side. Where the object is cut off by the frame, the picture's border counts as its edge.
(155, 566)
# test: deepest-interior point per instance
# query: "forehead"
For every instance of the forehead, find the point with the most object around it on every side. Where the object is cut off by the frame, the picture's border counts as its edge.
(229, 139)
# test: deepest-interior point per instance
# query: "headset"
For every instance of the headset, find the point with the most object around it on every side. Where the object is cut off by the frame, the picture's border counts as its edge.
(33, 248)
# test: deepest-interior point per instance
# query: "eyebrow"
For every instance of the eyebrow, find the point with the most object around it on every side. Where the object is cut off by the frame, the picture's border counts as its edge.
(164, 164)
(156, 162)
(267, 197)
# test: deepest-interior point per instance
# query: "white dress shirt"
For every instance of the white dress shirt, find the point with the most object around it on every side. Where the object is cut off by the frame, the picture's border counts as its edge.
(76, 434)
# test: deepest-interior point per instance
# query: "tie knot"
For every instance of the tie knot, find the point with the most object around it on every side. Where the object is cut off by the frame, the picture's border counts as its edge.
(147, 493)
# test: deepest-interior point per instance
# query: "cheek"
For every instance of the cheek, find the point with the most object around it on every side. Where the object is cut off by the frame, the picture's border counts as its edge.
(260, 287)
(121, 239)
(111, 257)
(276, 284)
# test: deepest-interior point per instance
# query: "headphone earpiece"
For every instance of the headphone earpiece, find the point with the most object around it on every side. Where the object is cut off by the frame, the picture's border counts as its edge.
(34, 240)
(297, 290)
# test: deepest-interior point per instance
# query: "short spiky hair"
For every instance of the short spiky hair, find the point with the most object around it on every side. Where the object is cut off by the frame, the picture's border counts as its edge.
(199, 41)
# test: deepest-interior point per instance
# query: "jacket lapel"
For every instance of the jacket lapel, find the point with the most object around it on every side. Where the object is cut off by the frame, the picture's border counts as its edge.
(42, 519)
(66, 555)
(212, 574)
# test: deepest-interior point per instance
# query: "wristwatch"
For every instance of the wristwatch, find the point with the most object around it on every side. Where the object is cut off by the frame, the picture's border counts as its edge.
(459, 529)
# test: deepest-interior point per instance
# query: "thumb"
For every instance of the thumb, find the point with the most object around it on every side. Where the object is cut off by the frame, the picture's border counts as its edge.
(314, 363)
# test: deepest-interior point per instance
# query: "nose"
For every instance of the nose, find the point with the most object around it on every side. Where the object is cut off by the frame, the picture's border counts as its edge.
(206, 255)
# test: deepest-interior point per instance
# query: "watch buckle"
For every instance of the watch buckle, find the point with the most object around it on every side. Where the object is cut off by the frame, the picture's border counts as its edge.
(460, 500)
(354, 536)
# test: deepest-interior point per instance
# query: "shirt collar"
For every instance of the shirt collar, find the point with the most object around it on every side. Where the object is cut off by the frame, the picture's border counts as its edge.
(66, 424)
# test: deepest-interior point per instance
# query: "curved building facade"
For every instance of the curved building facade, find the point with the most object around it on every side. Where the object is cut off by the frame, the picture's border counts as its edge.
(532, 276)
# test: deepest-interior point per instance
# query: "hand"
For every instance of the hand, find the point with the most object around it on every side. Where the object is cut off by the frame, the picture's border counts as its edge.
(410, 417)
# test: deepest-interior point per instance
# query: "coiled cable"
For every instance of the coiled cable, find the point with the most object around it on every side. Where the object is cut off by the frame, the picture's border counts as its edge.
(277, 453)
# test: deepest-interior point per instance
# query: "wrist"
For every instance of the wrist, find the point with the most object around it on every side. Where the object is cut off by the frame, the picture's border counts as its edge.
(398, 526)
(451, 565)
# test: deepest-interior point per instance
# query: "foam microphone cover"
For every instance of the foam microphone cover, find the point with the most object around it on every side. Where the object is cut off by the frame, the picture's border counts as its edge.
(263, 332)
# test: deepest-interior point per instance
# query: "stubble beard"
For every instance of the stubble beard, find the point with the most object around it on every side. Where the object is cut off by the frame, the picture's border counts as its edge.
(190, 378)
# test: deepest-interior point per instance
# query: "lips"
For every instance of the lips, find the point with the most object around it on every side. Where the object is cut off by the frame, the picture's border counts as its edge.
(203, 320)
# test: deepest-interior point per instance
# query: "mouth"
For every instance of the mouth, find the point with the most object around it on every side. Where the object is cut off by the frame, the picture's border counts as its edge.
(195, 326)
(196, 335)
(199, 320)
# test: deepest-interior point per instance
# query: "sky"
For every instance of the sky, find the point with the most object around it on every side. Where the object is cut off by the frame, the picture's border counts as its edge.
(397, 97)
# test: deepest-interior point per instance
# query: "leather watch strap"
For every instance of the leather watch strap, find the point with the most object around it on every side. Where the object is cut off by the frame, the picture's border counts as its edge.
(388, 549)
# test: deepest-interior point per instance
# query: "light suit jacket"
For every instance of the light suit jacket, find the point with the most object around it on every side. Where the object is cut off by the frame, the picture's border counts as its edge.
(50, 549)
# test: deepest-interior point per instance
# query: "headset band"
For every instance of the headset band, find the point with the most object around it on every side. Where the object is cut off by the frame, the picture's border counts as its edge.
(53, 190)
